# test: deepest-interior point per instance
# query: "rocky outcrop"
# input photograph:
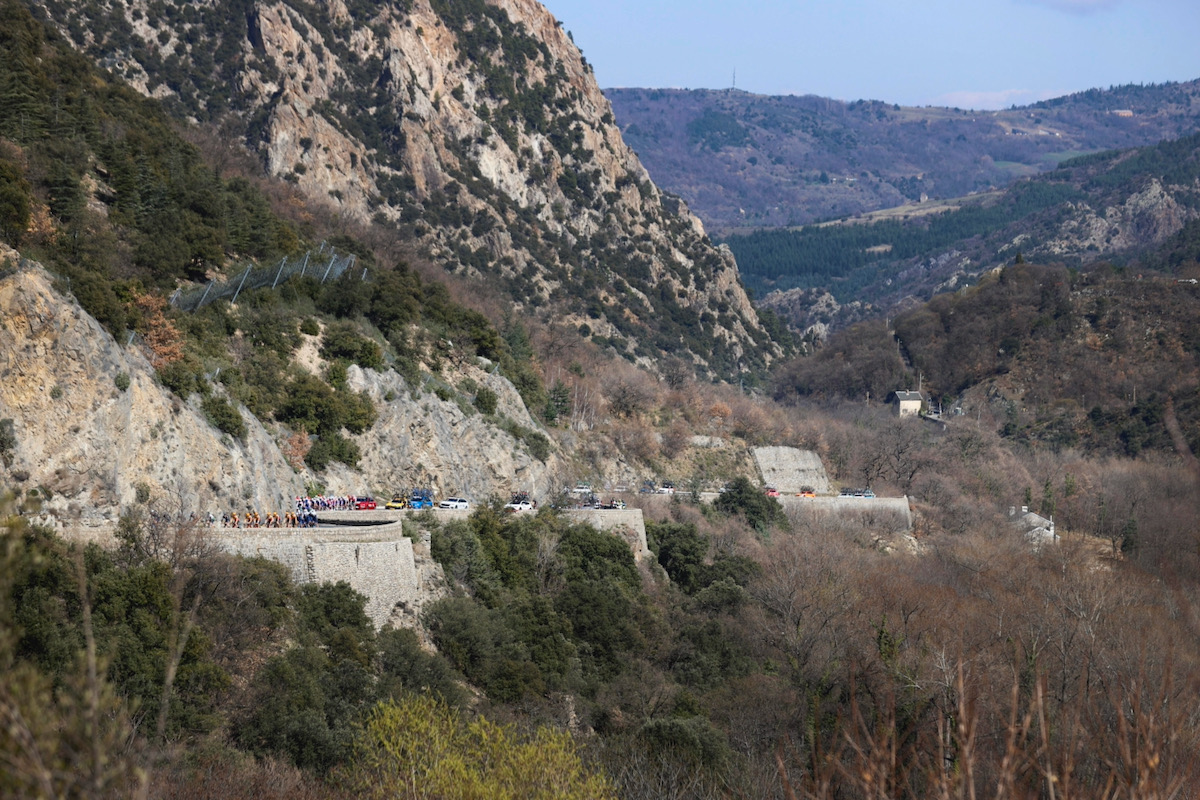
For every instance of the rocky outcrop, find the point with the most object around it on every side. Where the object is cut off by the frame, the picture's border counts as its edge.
(1143, 219)
(475, 130)
(430, 442)
(96, 432)
(93, 426)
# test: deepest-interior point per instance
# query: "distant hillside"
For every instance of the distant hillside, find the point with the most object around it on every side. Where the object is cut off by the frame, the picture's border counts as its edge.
(745, 160)
(1100, 361)
(1137, 206)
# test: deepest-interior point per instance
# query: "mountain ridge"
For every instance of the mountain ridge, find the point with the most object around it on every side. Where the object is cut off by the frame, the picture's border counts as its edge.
(744, 160)
(474, 130)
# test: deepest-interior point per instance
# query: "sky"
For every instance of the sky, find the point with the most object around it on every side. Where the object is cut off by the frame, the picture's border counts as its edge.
(981, 54)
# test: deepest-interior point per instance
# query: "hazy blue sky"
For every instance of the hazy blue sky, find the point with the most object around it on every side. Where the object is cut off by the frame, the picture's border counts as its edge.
(965, 53)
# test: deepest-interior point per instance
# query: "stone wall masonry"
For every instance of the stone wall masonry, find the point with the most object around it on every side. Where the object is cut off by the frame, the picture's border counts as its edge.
(885, 512)
(626, 522)
(378, 562)
(789, 468)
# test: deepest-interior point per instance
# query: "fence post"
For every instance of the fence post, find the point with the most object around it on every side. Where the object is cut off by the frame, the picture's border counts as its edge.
(282, 264)
(240, 285)
(304, 266)
(201, 303)
(331, 260)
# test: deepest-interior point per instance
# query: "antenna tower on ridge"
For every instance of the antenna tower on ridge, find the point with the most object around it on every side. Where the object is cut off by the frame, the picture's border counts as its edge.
(734, 86)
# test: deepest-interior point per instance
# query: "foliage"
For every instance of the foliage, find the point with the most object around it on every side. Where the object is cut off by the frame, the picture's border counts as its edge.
(742, 497)
(860, 363)
(554, 604)
(15, 203)
(342, 341)
(224, 416)
(485, 401)
(847, 258)
(683, 552)
(8, 441)
(417, 747)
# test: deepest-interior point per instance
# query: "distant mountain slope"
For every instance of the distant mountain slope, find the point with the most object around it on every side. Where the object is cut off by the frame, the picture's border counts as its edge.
(1137, 206)
(745, 160)
(474, 130)
(1104, 362)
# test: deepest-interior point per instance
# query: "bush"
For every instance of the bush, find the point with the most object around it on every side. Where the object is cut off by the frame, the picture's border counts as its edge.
(121, 381)
(486, 400)
(8, 441)
(742, 497)
(224, 417)
(420, 741)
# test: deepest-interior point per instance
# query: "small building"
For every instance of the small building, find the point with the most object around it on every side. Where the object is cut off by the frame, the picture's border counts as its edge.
(1037, 529)
(907, 403)
(1123, 112)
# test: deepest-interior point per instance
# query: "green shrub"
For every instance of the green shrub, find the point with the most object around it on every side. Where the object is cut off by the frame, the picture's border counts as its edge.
(223, 416)
(743, 497)
(8, 441)
(343, 341)
(183, 377)
(486, 400)
(121, 381)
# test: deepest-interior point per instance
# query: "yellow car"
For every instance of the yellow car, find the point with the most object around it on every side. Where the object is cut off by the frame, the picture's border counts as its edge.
(398, 501)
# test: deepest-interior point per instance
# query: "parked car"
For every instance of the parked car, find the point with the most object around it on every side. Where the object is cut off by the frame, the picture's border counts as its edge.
(667, 488)
(397, 501)
(846, 492)
(519, 502)
(806, 491)
(772, 491)
(458, 503)
(421, 498)
(364, 503)
(867, 493)
(582, 488)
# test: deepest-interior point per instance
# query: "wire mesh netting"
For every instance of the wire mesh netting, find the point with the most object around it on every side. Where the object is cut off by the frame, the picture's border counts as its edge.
(323, 264)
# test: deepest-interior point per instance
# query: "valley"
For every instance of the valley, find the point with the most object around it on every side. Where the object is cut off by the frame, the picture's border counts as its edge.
(794, 586)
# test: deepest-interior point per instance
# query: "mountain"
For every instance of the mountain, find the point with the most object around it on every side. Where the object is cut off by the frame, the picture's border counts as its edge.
(1101, 361)
(473, 131)
(1138, 207)
(186, 324)
(745, 161)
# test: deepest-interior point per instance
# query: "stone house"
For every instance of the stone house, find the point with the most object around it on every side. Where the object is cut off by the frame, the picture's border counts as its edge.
(907, 403)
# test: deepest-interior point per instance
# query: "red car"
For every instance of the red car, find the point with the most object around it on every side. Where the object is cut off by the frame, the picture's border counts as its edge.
(364, 503)
(772, 491)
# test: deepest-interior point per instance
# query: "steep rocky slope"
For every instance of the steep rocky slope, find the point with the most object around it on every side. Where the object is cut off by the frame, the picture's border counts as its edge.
(92, 426)
(474, 129)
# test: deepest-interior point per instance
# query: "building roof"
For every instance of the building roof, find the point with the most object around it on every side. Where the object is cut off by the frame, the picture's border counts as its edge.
(909, 395)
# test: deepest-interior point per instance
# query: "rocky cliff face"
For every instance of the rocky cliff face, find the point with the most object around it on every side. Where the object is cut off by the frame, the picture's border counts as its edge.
(90, 444)
(1141, 220)
(475, 129)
